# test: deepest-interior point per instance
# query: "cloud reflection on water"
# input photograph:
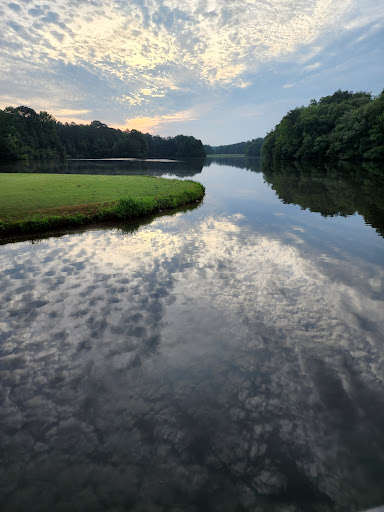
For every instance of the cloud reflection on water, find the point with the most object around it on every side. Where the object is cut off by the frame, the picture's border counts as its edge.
(193, 365)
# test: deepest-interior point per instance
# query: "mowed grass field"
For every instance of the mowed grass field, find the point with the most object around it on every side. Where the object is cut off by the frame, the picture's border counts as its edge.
(23, 195)
(43, 202)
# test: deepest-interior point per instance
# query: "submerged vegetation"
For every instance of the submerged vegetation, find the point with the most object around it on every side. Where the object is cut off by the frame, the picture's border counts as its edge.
(26, 135)
(39, 202)
(344, 126)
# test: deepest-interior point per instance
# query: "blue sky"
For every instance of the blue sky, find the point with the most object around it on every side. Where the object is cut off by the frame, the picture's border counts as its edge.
(221, 70)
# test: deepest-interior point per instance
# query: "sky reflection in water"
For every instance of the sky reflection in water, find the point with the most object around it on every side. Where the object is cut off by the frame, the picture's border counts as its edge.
(228, 358)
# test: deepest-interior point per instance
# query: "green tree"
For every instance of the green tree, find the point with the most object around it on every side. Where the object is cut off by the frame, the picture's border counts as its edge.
(253, 148)
(344, 125)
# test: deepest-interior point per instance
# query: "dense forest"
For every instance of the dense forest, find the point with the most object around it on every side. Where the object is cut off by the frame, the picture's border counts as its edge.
(344, 126)
(249, 148)
(27, 135)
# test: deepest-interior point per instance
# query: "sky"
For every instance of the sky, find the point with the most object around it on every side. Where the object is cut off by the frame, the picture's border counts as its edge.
(223, 71)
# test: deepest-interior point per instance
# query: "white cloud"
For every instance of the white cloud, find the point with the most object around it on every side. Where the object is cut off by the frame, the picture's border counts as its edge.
(151, 58)
(313, 52)
(217, 40)
(69, 112)
(313, 66)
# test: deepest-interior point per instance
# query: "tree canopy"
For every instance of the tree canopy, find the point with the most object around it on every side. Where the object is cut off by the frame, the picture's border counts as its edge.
(26, 135)
(253, 148)
(345, 126)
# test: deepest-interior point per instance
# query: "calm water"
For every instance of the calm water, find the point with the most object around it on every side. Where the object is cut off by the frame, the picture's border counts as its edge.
(228, 358)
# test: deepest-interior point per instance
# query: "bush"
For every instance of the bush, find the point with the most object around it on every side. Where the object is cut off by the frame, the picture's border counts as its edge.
(133, 207)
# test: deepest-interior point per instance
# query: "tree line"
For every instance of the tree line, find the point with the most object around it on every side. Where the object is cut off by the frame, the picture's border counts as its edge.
(342, 126)
(27, 135)
(248, 148)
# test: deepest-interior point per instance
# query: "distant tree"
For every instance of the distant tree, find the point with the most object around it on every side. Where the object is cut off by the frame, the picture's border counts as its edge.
(24, 134)
(253, 148)
(238, 148)
(174, 147)
(208, 149)
(131, 144)
(231, 149)
(188, 146)
(98, 125)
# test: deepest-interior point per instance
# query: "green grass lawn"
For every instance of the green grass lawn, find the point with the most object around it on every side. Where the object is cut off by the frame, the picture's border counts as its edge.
(43, 196)
(23, 194)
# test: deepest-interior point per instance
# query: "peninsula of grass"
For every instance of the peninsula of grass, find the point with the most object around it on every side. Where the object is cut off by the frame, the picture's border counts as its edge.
(42, 202)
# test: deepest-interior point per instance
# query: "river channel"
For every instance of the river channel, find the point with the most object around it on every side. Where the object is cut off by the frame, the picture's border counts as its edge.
(229, 357)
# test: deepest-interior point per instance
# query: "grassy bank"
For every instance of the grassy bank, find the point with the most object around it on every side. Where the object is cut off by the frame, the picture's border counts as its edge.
(40, 202)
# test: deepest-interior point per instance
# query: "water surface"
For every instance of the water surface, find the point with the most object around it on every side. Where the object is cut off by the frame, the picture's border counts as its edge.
(228, 358)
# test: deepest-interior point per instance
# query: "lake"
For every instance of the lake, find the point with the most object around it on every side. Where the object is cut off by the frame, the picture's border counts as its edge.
(229, 357)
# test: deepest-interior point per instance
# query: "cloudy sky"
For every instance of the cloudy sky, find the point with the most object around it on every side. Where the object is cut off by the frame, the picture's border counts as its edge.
(221, 70)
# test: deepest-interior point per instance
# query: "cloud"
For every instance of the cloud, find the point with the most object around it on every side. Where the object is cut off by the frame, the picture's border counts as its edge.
(68, 112)
(179, 51)
(313, 66)
(152, 124)
(71, 116)
(169, 32)
(308, 55)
